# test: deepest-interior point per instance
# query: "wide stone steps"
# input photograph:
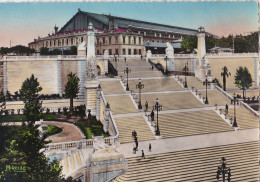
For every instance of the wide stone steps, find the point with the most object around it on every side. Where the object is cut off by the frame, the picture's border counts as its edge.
(196, 165)
(244, 118)
(170, 101)
(112, 87)
(121, 104)
(215, 97)
(142, 74)
(156, 85)
(191, 123)
(192, 81)
(127, 125)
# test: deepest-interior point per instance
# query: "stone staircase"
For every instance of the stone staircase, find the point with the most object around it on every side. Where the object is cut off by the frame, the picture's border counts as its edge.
(169, 101)
(112, 87)
(244, 118)
(156, 85)
(127, 125)
(198, 165)
(191, 123)
(121, 104)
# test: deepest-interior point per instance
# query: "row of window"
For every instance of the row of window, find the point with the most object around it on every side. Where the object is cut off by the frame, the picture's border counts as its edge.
(124, 51)
(63, 42)
(114, 40)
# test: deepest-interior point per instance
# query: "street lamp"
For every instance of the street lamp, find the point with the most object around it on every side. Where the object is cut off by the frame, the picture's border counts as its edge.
(127, 70)
(140, 86)
(235, 120)
(206, 82)
(166, 70)
(186, 69)
(222, 169)
(158, 107)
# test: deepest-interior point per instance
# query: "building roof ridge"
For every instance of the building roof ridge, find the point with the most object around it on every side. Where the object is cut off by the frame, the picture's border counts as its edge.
(172, 26)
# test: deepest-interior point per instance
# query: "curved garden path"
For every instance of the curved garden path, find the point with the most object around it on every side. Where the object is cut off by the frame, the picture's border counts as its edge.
(70, 132)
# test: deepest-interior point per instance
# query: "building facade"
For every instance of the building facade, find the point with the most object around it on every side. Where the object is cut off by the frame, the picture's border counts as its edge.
(120, 36)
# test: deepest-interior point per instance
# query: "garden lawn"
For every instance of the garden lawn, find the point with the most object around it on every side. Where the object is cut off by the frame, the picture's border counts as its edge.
(52, 130)
(95, 128)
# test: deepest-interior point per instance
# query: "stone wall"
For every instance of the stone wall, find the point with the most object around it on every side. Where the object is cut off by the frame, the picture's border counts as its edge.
(67, 67)
(45, 71)
(232, 64)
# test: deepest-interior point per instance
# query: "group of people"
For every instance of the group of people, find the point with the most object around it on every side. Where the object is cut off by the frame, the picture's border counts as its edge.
(135, 147)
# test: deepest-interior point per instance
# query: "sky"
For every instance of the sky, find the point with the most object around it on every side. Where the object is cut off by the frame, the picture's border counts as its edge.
(22, 22)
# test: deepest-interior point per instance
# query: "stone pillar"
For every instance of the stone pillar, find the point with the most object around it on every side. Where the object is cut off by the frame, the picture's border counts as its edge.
(59, 72)
(91, 83)
(106, 56)
(5, 77)
(201, 67)
(81, 68)
(99, 89)
(106, 118)
(201, 43)
(169, 51)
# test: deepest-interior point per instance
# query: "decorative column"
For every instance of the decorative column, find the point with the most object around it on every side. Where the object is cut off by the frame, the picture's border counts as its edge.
(106, 56)
(81, 68)
(59, 77)
(91, 83)
(201, 43)
(106, 118)
(99, 89)
(5, 77)
(202, 66)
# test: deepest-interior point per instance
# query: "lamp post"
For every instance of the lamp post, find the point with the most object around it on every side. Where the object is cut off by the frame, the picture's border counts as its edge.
(235, 120)
(222, 169)
(140, 86)
(166, 70)
(158, 107)
(186, 69)
(206, 82)
(127, 70)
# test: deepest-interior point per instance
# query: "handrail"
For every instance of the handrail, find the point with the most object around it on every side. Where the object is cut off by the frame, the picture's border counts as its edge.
(246, 106)
(233, 55)
(223, 92)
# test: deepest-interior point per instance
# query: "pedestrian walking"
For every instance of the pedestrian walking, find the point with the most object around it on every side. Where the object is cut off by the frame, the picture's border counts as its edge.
(143, 154)
(150, 147)
(125, 59)
(141, 56)
(146, 106)
(136, 147)
(226, 108)
(152, 116)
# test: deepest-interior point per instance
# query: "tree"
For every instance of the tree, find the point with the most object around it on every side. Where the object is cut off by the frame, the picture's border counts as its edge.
(217, 82)
(225, 74)
(73, 50)
(29, 95)
(189, 43)
(72, 89)
(243, 79)
(44, 51)
(21, 147)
